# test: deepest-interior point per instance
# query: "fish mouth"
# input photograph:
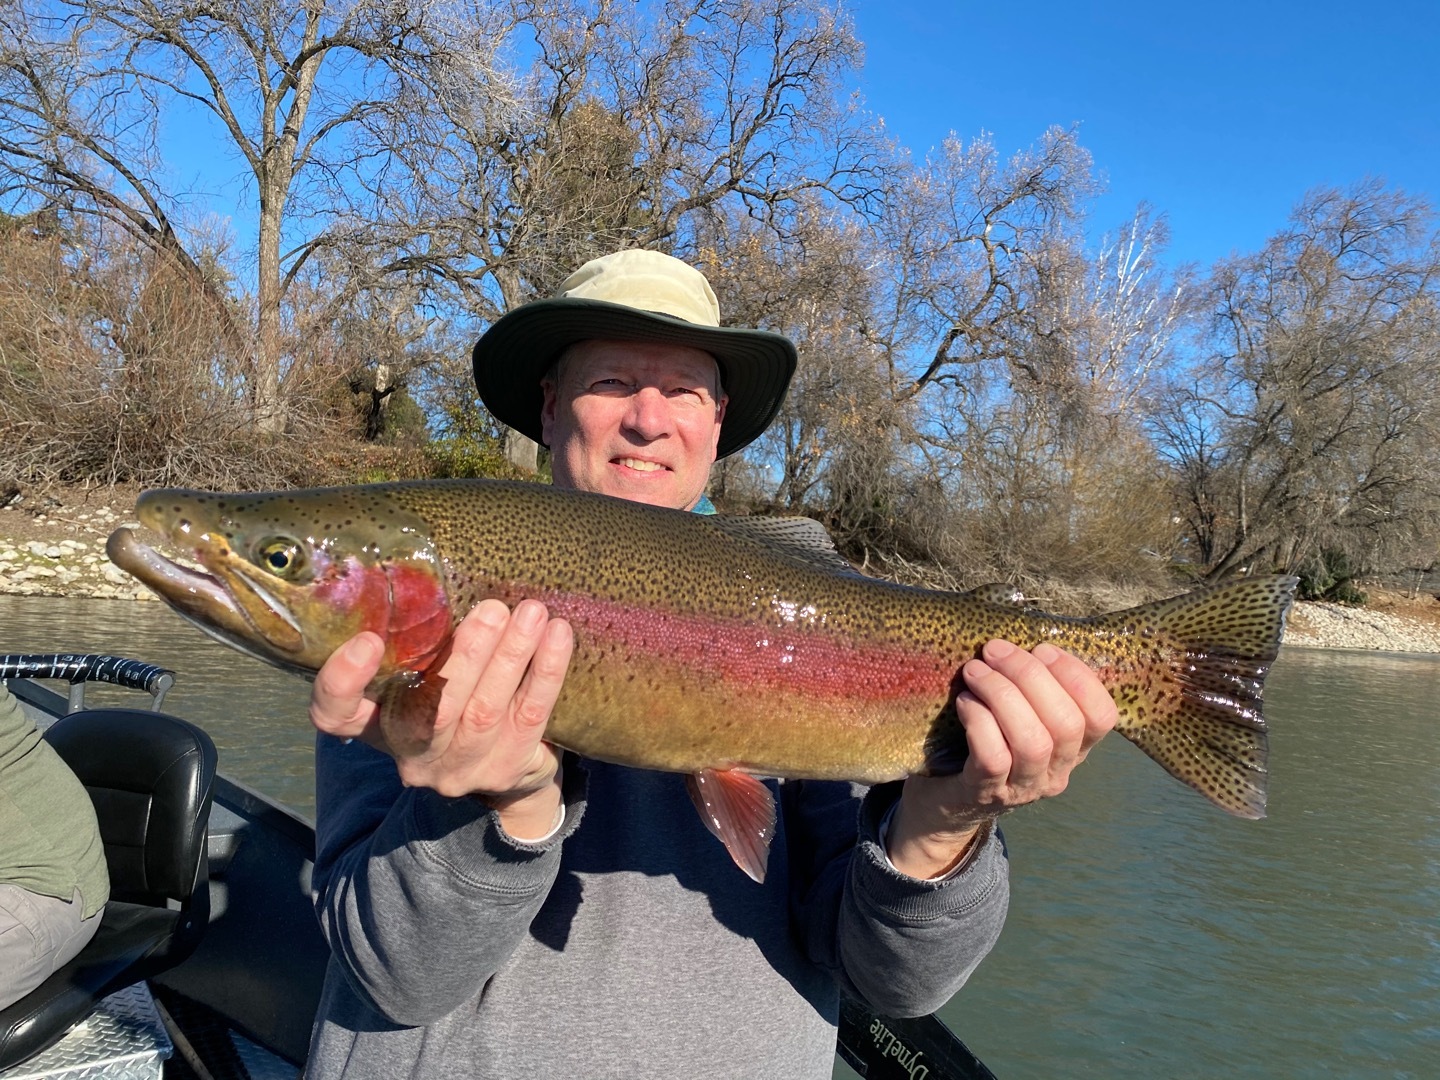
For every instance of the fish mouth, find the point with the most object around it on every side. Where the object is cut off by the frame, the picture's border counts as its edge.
(210, 601)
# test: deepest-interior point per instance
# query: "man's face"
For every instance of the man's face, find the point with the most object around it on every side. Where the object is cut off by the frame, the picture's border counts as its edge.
(635, 420)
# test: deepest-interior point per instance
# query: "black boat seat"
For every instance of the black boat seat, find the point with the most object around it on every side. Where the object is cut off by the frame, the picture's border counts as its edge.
(150, 776)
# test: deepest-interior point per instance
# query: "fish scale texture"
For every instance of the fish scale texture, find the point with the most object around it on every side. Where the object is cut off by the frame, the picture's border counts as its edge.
(703, 643)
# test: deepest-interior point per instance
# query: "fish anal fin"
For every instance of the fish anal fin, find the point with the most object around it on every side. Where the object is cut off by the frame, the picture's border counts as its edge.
(739, 810)
(946, 750)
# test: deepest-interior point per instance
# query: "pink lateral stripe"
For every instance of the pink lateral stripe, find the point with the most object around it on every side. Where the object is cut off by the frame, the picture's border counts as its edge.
(815, 663)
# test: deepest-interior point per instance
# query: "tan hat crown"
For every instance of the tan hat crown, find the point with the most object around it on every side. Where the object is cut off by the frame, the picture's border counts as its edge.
(647, 281)
(641, 296)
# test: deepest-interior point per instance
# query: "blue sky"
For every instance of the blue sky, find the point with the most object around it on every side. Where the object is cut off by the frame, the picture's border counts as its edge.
(1221, 115)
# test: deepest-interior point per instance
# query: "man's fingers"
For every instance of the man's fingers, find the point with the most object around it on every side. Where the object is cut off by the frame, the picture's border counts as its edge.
(471, 650)
(1084, 688)
(1052, 701)
(1005, 682)
(475, 723)
(989, 759)
(501, 677)
(338, 705)
(546, 675)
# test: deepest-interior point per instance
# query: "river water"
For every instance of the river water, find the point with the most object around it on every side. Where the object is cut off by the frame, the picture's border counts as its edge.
(1149, 935)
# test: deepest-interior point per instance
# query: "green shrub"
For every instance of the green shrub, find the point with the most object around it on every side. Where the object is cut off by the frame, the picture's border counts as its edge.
(1331, 578)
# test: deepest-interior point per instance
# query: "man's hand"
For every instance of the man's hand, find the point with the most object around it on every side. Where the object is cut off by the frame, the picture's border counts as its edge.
(498, 685)
(1029, 719)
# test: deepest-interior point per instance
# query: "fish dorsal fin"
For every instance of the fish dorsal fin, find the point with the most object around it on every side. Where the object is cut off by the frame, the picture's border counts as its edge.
(739, 810)
(800, 538)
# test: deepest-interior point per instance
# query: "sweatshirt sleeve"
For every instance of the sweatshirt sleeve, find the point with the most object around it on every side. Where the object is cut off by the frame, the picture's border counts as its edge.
(421, 897)
(903, 945)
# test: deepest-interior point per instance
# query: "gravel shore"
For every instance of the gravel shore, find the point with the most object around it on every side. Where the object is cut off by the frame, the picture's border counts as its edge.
(59, 550)
(1335, 626)
(50, 547)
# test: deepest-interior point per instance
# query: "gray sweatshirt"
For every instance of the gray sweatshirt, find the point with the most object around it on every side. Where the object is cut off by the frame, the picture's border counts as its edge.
(627, 945)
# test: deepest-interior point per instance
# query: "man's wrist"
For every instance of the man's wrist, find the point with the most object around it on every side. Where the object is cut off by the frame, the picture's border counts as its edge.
(932, 854)
(532, 818)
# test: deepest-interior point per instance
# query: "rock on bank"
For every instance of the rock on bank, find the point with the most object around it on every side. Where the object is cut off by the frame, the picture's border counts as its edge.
(48, 548)
(1389, 624)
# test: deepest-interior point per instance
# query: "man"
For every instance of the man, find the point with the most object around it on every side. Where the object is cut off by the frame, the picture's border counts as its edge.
(54, 883)
(495, 910)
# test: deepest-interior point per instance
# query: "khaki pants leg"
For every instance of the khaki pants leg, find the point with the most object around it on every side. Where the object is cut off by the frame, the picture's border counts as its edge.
(37, 935)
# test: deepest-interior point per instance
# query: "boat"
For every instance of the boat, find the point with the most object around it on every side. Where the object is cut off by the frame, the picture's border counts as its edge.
(232, 992)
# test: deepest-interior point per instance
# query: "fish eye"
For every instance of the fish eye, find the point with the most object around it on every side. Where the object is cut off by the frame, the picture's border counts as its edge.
(281, 556)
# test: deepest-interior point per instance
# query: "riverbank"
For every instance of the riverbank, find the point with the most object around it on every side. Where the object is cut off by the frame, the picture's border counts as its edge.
(54, 545)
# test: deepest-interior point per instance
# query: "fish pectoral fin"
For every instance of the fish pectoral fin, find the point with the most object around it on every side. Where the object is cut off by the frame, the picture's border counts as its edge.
(739, 810)
(407, 705)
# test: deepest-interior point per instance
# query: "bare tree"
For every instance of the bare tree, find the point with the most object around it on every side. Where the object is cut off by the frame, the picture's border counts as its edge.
(968, 235)
(290, 88)
(638, 125)
(1021, 358)
(1187, 433)
(1131, 313)
(1007, 446)
(1312, 426)
(110, 371)
(468, 153)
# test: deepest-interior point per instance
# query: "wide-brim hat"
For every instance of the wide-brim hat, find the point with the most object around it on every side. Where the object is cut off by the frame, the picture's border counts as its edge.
(632, 296)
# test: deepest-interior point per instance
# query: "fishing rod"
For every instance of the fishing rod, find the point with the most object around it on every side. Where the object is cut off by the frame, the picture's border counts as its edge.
(917, 1048)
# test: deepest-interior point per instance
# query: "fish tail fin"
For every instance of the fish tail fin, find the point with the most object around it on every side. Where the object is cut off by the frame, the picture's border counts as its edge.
(1195, 709)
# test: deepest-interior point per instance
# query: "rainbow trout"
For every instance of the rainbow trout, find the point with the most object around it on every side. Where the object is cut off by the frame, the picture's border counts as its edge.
(723, 648)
